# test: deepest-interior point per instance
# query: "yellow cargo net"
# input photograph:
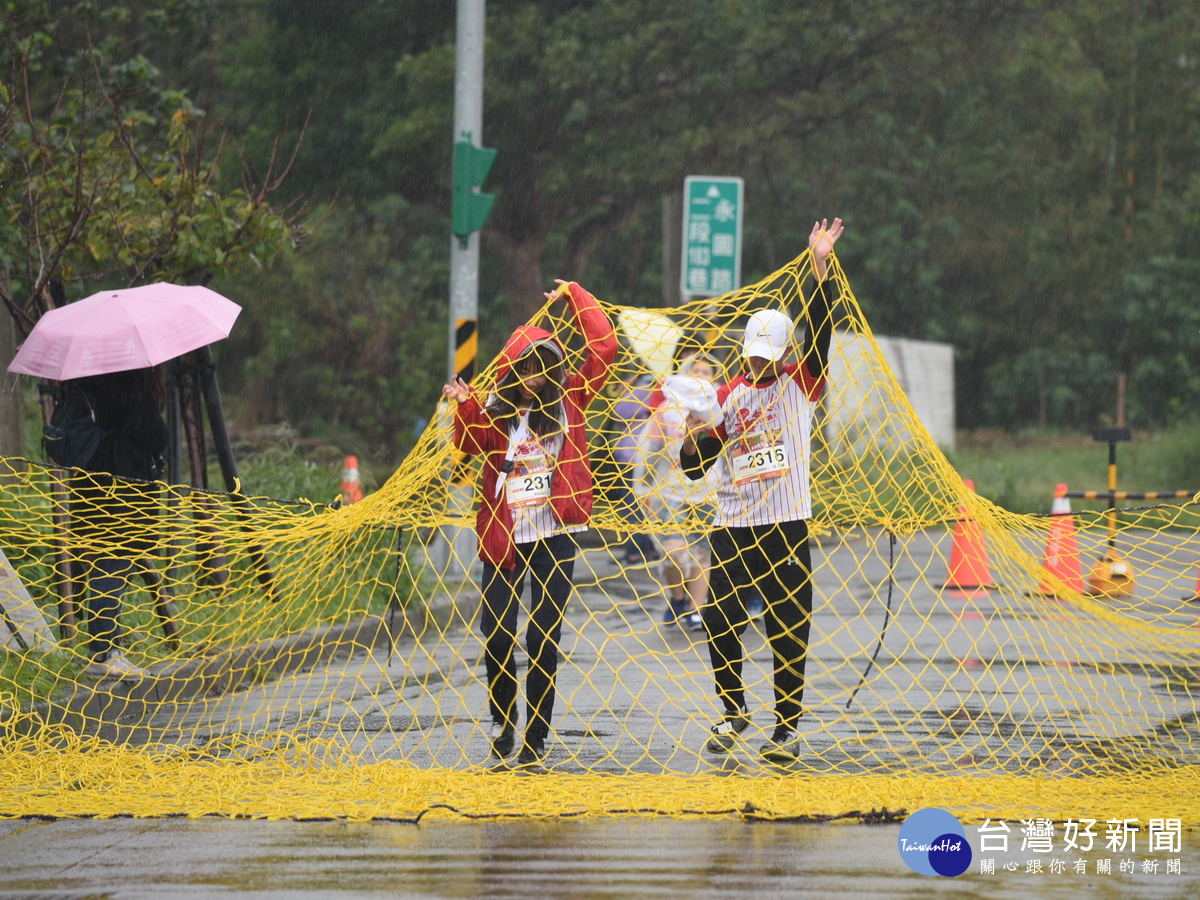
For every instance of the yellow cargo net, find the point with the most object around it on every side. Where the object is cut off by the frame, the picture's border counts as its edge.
(305, 660)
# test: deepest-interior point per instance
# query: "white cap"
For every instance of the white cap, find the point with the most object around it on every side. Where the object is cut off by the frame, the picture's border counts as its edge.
(768, 335)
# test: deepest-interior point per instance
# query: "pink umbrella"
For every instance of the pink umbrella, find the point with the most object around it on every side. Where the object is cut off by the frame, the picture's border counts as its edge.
(131, 328)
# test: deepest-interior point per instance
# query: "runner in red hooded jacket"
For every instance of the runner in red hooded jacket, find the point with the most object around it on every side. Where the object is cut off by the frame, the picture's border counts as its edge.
(536, 490)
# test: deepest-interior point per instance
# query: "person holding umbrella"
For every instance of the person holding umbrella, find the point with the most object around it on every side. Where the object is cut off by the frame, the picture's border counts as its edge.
(104, 351)
(110, 501)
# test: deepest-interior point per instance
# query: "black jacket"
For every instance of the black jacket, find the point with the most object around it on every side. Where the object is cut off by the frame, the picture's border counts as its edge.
(107, 508)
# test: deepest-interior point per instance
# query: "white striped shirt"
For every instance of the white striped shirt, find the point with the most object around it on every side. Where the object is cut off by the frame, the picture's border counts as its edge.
(766, 430)
(535, 521)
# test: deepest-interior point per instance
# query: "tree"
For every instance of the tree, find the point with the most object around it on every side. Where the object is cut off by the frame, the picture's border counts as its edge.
(340, 341)
(113, 179)
(597, 109)
(979, 152)
(1015, 195)
(118, 183)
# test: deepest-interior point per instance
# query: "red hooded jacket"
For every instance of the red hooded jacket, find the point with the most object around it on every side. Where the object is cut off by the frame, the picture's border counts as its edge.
(477, 433)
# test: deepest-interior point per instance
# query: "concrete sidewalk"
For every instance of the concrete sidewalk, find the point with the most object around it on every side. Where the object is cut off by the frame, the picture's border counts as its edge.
(422, 698)
(629, 687)
(962, 678)
(135, 711)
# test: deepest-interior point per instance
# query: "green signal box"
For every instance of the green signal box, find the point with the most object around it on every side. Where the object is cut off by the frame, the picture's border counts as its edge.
(469, 208)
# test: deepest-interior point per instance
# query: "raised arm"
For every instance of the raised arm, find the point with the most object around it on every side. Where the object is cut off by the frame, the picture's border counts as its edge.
(815, 353)
(820, 241)
(597, 333)
(699, 448)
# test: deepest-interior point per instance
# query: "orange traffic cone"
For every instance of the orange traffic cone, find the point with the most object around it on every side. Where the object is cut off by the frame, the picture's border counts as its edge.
(1196, 595)
(351, 488)
(969, 569)
(1061, 564)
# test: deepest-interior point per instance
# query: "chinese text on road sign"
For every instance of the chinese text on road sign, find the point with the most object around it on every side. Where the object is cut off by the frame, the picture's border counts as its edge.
(712, 235)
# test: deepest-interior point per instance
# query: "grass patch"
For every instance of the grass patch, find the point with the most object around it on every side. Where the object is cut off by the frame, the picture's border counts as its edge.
(286, 571)
(1019, 471)
(34, 677)
(283, 473)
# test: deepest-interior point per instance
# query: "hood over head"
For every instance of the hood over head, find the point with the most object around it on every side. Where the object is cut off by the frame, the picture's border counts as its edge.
(523, 340)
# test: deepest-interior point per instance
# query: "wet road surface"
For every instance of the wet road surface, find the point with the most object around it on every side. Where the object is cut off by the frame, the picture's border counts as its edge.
(585, 858)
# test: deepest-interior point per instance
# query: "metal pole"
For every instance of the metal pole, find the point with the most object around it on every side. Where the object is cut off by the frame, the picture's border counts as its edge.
(211, 393)
(468, 123)
(672, 225)
(1112, 493)
(1111, 436)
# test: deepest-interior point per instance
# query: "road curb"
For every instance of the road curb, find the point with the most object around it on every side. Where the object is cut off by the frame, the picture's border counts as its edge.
(118, 711)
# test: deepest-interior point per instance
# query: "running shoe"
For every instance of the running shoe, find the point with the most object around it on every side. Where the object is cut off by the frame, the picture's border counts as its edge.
(674, 612)
(115, 665)
(503, 739)
(725, 732)
(532, 753)
(783, 746)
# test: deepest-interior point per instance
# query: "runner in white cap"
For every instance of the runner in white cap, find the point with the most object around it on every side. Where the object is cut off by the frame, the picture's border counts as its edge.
(760, 444)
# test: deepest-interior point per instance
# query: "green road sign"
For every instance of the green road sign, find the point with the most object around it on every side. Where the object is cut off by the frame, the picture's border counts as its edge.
(711, 261)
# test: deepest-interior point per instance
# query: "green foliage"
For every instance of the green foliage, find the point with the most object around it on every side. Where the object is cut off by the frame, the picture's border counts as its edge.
(114, 179)
(292, 60)
(337, 587)
(35, 678)
(973, 160)
(283, 474)
(1162, 327)
(1166, 460)
(1018, 179)
(348, 337)
(873, 486)
(1010, 189)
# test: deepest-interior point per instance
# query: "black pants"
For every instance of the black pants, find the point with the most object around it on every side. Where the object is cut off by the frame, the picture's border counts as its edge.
(107, 583)
(626, 504)
(550, 564)
(775, 562)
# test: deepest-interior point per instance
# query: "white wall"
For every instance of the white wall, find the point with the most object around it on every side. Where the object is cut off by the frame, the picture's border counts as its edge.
(863, 410)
